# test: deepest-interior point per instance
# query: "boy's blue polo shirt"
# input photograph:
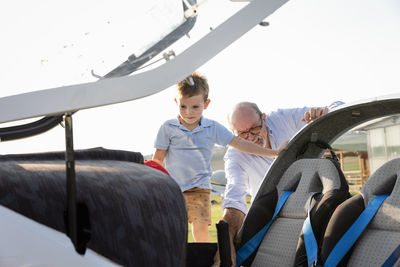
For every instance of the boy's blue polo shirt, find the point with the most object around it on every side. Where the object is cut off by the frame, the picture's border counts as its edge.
(188, 158)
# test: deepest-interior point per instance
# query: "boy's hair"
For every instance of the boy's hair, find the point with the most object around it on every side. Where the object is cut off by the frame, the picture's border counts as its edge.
(195, 84)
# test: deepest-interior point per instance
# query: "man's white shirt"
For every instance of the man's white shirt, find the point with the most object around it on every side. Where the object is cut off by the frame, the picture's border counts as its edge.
(245, 172)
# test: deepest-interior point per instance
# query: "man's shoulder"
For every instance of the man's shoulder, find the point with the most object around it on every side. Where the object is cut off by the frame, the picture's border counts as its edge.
(277, 114)
(233, 153)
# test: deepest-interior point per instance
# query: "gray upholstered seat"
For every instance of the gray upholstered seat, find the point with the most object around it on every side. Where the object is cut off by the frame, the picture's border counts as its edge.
(382, 235)
(283, 244)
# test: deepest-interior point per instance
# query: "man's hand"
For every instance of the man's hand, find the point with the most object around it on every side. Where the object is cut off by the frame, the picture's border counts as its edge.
(235, 219)
(217, 260)
(314, 113)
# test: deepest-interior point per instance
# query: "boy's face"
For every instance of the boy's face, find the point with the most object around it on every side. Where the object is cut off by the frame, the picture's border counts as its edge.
(191, 109)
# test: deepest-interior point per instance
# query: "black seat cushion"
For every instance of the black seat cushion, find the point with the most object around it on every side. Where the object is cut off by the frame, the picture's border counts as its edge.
(137, 213)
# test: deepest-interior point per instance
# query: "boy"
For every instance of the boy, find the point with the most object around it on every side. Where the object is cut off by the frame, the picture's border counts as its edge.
(186, 144)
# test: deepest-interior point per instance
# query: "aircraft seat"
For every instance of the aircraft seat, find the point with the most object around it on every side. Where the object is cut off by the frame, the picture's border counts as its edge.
(283, 244)
(382, 235)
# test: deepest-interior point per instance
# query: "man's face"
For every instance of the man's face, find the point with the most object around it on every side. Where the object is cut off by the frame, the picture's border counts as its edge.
(250, 126)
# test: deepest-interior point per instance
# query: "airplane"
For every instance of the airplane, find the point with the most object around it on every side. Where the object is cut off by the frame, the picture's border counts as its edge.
(98, 207)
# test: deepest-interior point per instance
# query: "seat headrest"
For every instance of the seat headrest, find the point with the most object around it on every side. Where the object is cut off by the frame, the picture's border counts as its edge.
(385, 180)
(306, 176)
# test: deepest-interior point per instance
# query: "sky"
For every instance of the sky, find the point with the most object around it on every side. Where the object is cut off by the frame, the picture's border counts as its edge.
(312, 54)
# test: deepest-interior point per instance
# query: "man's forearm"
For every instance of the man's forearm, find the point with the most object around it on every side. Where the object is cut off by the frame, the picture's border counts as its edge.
(235, 219)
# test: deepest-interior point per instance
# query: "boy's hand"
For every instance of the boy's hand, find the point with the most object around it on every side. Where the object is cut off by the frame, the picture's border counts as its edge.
(282, 147)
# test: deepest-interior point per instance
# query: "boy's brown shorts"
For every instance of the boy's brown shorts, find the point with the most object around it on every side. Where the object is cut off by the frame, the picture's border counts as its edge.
(198, 203)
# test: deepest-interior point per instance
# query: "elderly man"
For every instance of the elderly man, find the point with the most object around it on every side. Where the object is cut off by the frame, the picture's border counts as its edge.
(245, 172)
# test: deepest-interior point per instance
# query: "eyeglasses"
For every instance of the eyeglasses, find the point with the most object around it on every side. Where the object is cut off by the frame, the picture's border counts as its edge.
(254, 130)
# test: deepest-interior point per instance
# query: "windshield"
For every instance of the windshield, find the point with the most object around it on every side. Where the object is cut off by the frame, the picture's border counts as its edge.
(56, 43)
(312, 54)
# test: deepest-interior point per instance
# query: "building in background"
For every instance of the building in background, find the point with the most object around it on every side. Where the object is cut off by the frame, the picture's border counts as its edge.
(383, 140)
(362, 150)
